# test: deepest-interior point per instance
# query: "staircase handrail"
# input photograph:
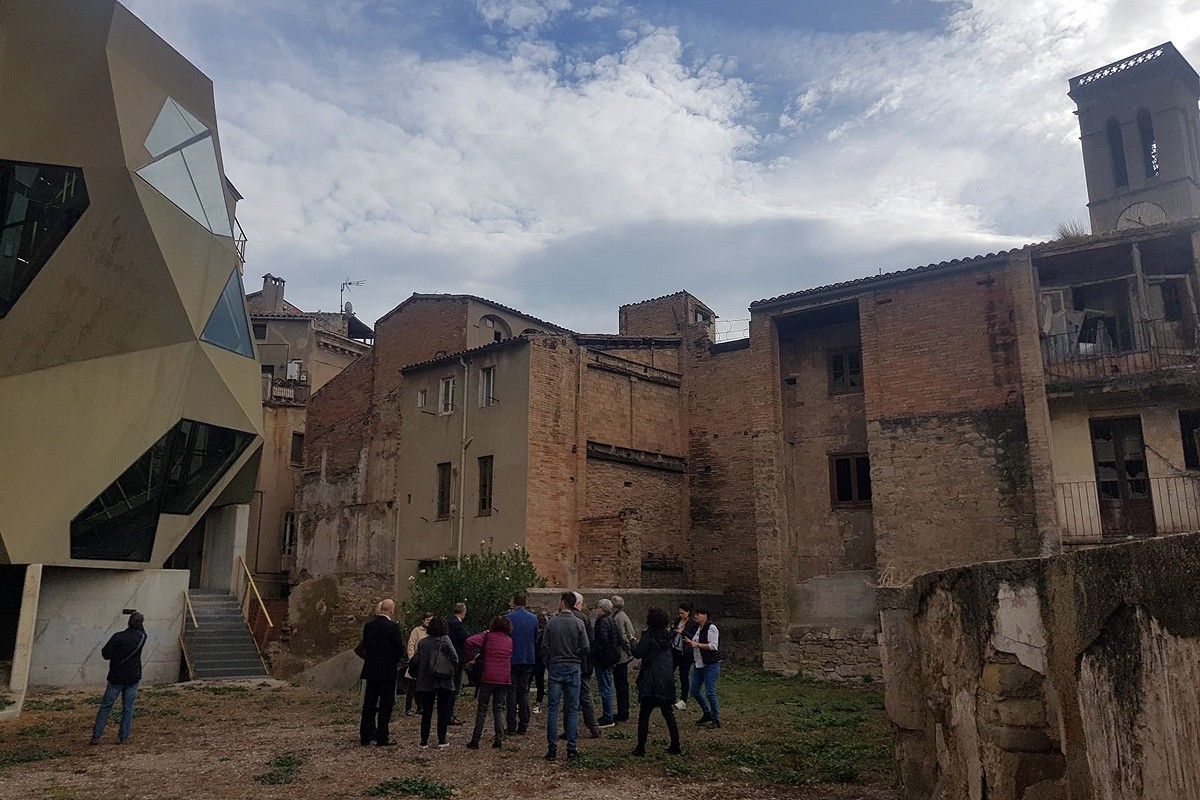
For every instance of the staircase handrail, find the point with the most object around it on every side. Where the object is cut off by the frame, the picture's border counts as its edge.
(187, 603)
(251, 584)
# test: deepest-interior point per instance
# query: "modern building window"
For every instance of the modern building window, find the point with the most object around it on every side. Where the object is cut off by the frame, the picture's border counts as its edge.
(845, 371)
(228, 327)
(41, 203)
(422, 398)
(1148, 142)
(485, 485)
(487, 386)
(1116, 151)
(1189, 428)
(297, 449)
(446, 396)
(172, 477)
(288, 546)
(260, 331)
(850, 480)
(443, 490)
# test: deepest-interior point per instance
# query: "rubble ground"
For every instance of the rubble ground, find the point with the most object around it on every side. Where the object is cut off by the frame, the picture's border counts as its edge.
(781, 737)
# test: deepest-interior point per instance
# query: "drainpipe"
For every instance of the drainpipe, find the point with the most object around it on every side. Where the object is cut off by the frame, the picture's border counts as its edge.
(462, 463)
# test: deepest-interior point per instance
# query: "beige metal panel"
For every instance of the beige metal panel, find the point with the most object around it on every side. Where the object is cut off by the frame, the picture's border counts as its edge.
(58, 106)
(104, 291)
(241, 486)
(71, 430)
(210, 398)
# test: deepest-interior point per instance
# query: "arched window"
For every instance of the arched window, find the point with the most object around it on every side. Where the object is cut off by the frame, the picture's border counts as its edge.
(1149, 143)
(498, 327)
(1116, 149)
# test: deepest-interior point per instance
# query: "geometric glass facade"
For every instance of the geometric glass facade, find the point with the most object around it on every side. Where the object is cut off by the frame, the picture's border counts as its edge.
(41, 203)
(228, 326)
(172, 477)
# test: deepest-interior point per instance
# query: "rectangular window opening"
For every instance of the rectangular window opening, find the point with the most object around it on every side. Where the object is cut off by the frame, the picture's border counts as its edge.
(422, 398)
(297, 449)
(443, 490)
(845, 372)
(485, 485)
(1189, 428)
(288, 545)
(446, 396)
(260, 331)
(487, 386)
(850, 480)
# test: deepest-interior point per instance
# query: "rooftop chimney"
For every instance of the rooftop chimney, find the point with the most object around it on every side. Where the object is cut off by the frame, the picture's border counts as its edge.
(272, 294)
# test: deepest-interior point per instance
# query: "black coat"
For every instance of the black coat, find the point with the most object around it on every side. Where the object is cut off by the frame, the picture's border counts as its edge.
(656, 678)
(124, 655)
(606, 647)
(458, 636)
(383, 649)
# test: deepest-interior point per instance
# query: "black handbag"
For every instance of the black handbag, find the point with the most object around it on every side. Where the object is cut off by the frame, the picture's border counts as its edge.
(475, 670)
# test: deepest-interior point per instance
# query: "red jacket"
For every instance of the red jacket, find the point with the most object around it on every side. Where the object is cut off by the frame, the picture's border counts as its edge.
(497, 656)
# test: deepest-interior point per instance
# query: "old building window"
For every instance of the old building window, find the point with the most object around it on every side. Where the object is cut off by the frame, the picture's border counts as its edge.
(297, 449)
(446, 396)
(485, 485)
(1148, 142)
(1116, 152)
(850, 480)
(288, 546)
(487, 386)
(1172, 301)
(845, 371)
(422, 398)
(1189, 428)
(260, 331)
(498, 327)
(443, 490)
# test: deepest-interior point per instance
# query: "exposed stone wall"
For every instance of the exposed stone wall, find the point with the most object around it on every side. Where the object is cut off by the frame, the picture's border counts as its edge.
(610, 550)
(1074, 676)
(658, 496)
(621, 408)
(661, 316)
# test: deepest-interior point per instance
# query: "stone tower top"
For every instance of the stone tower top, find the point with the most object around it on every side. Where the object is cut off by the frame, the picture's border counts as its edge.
(1139, 123)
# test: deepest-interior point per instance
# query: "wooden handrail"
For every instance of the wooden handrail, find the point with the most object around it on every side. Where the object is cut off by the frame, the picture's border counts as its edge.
(187, 660)
(187, 603)
(257, 596)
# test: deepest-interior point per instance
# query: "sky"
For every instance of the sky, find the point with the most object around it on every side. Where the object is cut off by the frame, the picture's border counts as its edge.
(568, 156)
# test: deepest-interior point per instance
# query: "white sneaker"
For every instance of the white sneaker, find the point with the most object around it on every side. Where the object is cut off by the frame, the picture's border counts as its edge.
(536, 709)
(680, 704)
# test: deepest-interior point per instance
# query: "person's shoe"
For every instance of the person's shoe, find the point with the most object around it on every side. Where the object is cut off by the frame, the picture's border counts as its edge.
(551, 754)
(620, 718)
(572, 754)
(94, 741)
(638, 751)
(606, 722)
(497, 744)
(562, 737)
(455, 721)
(704, 720)
(536, 709)
(443, 745)
(713, 724)
(522, 731)
(680, 705)
(408, 712)
(362, 742)
(673, 751)
(594, 733)
(386, 744)
(510, 731)
(473, 744)
(125, 741)
(424, 745)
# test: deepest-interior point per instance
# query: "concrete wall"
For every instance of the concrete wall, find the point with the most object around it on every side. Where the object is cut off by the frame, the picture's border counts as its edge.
(1066, 677)
(79, 609)
(225, 533)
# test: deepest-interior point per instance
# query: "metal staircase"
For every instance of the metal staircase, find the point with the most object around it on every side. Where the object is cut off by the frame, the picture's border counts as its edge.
(217, 642)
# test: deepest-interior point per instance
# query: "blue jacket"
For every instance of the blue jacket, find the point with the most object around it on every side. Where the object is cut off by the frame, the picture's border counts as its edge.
(524, 636)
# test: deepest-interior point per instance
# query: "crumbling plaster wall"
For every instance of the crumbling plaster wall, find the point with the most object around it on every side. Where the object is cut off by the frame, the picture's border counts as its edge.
(1069, 677)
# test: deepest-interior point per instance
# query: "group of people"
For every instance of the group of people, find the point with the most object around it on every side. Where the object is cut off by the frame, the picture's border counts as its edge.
(558, 653)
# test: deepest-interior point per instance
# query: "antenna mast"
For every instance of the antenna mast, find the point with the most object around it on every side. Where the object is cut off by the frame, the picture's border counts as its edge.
(346, 284)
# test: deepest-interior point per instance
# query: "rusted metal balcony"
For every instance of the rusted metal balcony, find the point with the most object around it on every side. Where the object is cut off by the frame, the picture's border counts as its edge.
(1106, 349)
(1098, 512)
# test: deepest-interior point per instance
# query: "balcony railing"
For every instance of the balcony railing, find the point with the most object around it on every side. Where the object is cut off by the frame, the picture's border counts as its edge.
(1106, 348)
(1098, 511)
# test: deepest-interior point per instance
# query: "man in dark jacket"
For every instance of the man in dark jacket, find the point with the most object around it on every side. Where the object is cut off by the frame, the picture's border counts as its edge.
(381, 649)
(124, 655)
(586, 709)
(606, 652)
(458, 637)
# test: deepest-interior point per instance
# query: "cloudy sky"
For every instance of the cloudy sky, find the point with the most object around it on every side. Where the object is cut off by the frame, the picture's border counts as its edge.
(567, 156)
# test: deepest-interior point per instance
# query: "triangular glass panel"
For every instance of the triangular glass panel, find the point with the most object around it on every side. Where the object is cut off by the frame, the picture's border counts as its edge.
(173, 127)
(201, 158)
(170, 176)
(228, 326)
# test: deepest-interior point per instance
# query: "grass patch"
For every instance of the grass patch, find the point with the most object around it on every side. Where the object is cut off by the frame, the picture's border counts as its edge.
(231, 691)
(282, 769)
(411, 787)
(28, 755)
(50, 704)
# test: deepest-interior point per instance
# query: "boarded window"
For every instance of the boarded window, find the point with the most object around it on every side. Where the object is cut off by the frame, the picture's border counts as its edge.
(845, 371)
(298, 449)
(850, 480)
(287, 547)
(443, 490)
(1189, 428)
(485, 485)
(1116, 150)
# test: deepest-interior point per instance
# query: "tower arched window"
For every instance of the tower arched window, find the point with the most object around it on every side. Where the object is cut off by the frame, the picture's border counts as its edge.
(497, 327)
(1149, 143)
(1116, 150)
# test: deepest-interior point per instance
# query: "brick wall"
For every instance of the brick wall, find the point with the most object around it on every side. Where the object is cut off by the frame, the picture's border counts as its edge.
(610, 550)
(664, 316)
(628, 411)
(658, 496)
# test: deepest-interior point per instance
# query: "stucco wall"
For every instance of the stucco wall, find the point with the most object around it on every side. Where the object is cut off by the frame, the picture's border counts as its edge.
(79, 609)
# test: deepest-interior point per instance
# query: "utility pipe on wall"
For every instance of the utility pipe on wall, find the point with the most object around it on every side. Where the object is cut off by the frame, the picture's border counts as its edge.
(462, 463)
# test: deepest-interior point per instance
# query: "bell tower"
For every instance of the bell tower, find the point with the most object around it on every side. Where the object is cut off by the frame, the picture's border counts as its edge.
(1139, 123)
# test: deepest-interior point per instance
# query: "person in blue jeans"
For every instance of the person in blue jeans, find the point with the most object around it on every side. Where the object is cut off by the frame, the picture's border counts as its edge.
(564, 645)
(124, 655)
(707, 666)
(606, 652)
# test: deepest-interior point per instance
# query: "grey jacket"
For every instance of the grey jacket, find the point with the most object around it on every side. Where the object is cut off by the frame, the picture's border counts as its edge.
(422, 662)
(627, 635)
(565, 640)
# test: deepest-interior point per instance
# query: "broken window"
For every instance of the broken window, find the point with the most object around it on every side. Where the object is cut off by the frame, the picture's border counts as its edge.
(1149, 143)
(1189, 429)
(485, 485)
(297, 449)
(1116, 151)
(850, 480)
(288, 546)
(443, 490)
(446, 396)
(487, 386)
(845, 371)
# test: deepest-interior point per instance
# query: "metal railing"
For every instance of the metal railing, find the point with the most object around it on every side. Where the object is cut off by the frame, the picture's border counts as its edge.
(1098, 511)
(1106, 348)
(254, 610)
(239, 239)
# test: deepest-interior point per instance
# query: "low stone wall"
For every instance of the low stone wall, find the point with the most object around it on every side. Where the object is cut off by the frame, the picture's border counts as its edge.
(1074, 676)
(834, 631)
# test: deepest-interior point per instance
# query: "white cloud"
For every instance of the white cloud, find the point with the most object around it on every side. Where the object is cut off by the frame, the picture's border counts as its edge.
(521, 15)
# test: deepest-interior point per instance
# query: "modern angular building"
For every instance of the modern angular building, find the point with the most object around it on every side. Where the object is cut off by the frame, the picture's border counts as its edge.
(130, 408)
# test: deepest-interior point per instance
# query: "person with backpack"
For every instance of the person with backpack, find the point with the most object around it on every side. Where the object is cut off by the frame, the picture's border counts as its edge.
(490, 657)
(656, 679)
(606, 652)
(706, 666)
(435, 664)
(123, 652)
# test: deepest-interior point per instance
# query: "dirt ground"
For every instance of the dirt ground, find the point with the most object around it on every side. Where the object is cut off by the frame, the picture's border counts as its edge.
(781, 738)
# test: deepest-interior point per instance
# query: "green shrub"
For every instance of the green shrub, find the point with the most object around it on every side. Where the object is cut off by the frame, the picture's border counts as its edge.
(486, 582)
(411, 787)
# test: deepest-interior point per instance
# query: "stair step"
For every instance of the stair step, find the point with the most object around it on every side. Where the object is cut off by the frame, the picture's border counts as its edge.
(230, 673)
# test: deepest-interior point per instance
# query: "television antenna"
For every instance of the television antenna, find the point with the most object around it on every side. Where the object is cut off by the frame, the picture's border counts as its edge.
(346, 284)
